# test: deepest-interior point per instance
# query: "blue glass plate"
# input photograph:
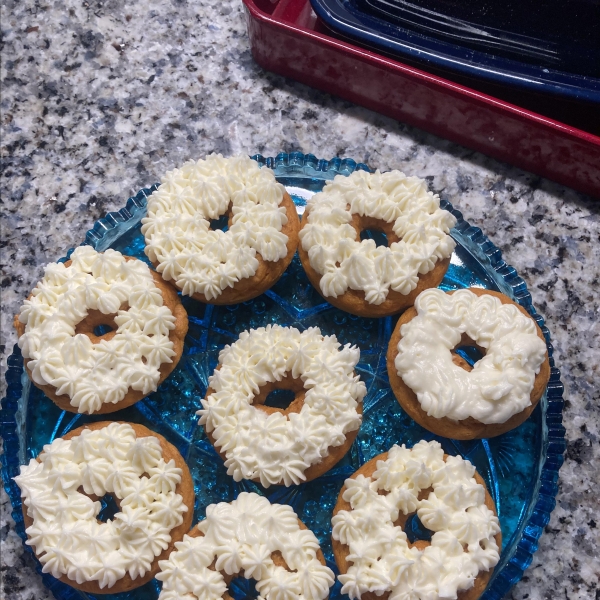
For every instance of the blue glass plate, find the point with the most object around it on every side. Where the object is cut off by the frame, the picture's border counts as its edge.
(520, 467)
(400, 39)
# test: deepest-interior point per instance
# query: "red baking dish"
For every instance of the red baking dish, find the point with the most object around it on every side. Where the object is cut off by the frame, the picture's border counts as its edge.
(287, 38)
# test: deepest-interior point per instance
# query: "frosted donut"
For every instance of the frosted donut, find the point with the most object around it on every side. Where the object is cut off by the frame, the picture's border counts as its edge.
(264, 541)
(221, 267)
(440, 390)
(97, 374)
(147, 478)
(357, 276)
(292, 445)
(371, 549)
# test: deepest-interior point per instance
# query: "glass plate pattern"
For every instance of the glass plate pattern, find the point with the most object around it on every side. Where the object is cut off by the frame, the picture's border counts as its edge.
(520, 467)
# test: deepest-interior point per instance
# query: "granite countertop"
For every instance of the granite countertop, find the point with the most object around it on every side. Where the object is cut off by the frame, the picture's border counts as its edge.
(99, 100)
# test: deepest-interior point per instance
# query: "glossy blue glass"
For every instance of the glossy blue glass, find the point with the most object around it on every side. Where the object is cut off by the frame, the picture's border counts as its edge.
(390, 34)
(547, 34)
(520, 467)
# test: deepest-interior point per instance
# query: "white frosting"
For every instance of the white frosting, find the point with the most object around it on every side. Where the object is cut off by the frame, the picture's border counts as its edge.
(499, 385)
(242, 536)
(274, 448)
(177, 229)
(380, 559)
(346, 262)
(96, 374)
(67, 537)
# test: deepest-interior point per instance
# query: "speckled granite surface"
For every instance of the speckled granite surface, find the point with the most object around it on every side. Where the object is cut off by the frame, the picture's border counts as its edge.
(99, 100)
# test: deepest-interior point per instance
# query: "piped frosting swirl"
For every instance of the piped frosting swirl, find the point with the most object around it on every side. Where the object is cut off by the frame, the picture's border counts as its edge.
(500, 384)
(346, 262)
(68, 538)
(271, 447)
(95, 374)
(243, 536)
(179, 239)
(380, 558)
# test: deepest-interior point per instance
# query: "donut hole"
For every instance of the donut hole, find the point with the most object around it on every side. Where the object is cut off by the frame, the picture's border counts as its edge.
(415, 530)
(240, 588)
(467, 352)
(280, 398)
(101, 330)
(471, 354)
(110, 507)
(285, 396)
(416, 533)
(222, 223)
(98, 326)
(378, 236)
(378, 230)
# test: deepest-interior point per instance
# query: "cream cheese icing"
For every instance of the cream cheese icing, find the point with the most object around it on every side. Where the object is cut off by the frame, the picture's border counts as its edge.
(273, 448)
(463, 527)
(500, 384)
(68, 538)
(177, 229)
(345, 262)
(243, 536)
(96, 374)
